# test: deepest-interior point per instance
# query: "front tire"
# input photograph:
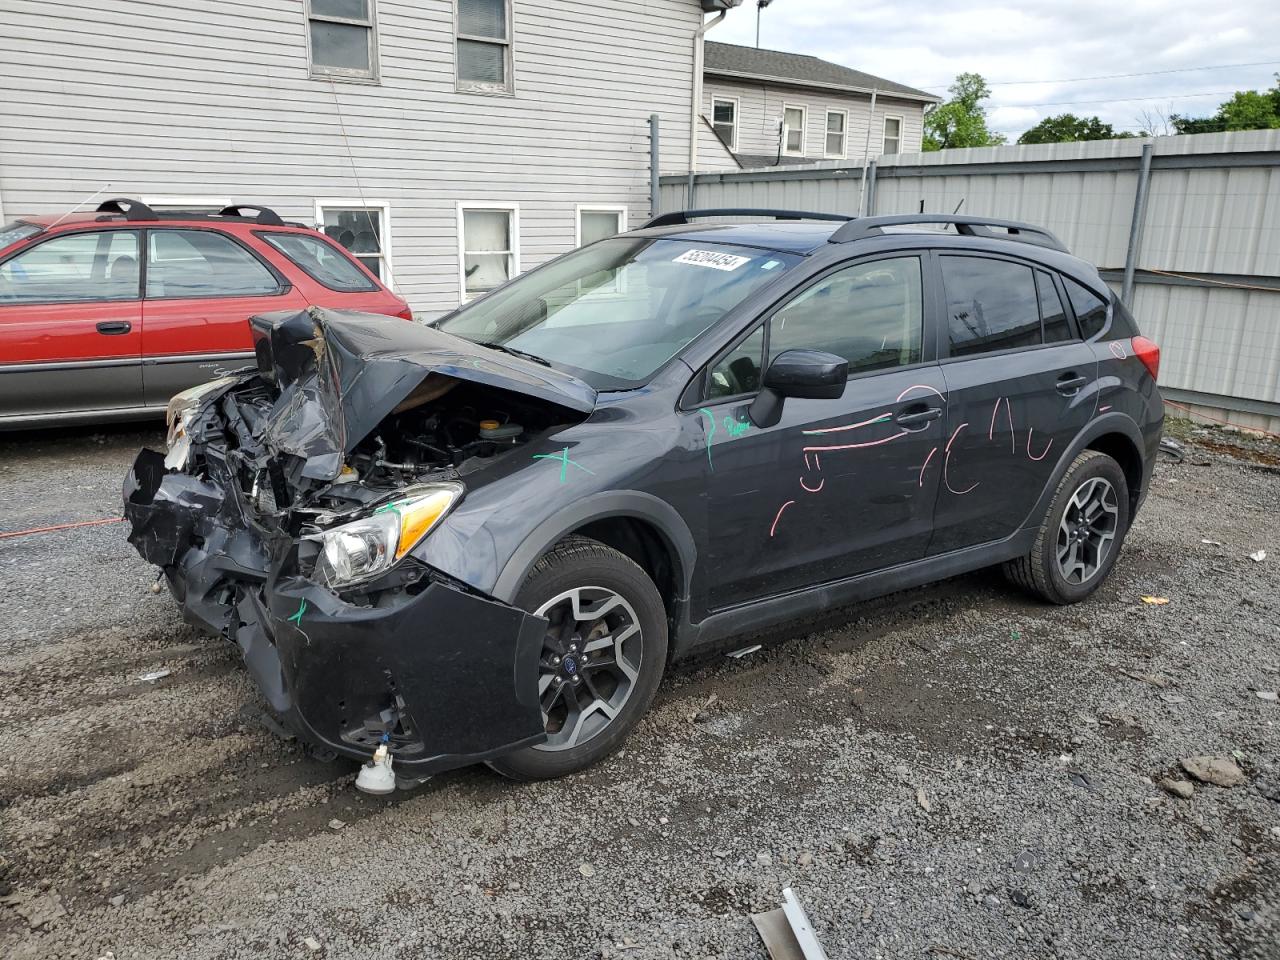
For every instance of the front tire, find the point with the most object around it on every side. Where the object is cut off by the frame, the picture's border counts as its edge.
(1080, 536)
(602, 659)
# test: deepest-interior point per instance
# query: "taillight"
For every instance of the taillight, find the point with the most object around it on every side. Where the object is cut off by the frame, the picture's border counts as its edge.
(407, 314)
(1148, 351)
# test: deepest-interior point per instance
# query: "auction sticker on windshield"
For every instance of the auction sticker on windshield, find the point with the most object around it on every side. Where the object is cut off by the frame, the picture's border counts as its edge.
(709, 258)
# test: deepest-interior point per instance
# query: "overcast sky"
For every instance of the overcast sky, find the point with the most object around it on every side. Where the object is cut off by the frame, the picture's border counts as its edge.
(925, 43)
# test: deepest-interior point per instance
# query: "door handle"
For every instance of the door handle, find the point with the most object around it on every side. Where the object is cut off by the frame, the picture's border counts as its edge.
(114, 328)
(917, 416)
(1070, 383)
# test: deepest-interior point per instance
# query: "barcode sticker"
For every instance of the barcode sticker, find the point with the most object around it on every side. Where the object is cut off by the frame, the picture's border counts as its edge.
(709, 258)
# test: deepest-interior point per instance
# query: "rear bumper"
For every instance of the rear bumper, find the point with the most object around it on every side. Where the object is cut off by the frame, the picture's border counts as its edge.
(446, 674)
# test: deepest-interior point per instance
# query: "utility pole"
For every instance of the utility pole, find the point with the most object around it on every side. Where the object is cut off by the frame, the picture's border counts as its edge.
(760, 5)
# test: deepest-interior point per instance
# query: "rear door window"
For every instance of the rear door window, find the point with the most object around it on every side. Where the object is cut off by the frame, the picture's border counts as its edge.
(991, 305)
(1091, 311)
(323, 263)
(204, 263)
(1053, 315)
(98, 265)
(869, 313)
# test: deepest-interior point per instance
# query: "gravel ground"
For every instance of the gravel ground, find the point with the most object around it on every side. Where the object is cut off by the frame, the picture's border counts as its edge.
(955, 771)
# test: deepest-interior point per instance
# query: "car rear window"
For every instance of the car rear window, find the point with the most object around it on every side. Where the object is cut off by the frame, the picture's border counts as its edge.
(13, 232)
(321, 261)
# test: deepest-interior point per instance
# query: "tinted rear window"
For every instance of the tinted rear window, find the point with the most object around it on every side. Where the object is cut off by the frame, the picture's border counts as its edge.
(991, 305)
(13, 232)
(1091, 312)
(321, 261)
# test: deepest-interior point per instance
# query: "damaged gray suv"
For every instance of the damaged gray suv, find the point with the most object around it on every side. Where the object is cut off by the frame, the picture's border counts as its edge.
(484, 539)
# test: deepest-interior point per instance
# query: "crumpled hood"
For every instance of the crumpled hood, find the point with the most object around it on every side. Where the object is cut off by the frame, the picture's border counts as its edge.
(340, 372)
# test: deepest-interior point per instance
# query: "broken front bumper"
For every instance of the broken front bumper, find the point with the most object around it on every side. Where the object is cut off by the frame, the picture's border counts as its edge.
(446, 675)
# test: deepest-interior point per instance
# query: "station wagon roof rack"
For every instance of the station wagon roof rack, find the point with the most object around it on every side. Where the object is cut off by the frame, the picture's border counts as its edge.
(678, 217)
(136, 210)
(132, 209)
(970, 226)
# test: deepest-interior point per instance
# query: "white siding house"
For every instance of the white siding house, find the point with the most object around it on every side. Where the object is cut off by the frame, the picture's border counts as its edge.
(451, 142)
(749, 96)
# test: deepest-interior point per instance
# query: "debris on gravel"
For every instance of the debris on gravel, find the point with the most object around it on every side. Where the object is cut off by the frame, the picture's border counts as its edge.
(1183, 789)
(1220, 771)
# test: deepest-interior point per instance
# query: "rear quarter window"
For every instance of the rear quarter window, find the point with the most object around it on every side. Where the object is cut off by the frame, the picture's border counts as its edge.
(321, 261)
(1091, 311)
(1123, 326)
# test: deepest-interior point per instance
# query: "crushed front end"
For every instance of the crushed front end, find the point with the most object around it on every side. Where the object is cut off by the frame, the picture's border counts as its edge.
(285, 511)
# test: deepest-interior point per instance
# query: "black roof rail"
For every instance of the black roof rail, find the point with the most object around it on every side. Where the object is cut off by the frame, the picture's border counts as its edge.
(265, 215)
(971, 226)
(132, 209)
(678, 217)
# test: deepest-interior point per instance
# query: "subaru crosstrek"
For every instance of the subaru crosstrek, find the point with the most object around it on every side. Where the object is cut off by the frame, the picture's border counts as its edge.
(484, 539)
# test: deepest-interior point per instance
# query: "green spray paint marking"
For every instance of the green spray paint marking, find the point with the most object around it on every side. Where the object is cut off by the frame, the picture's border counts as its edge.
(565, 463)
(297, 617)
(711, 432)
(736, 428)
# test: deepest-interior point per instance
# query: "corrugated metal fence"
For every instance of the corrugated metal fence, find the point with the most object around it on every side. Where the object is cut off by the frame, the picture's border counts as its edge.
(1205, 250)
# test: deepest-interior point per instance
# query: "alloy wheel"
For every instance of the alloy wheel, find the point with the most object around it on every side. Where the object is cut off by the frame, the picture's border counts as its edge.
(1087, 532)
(590, 661)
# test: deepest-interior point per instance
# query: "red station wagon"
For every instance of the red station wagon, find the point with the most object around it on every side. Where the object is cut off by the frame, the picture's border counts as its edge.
(106, 315)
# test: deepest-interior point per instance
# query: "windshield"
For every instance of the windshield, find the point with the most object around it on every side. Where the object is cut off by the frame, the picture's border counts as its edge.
(614, 312)
(13, 232)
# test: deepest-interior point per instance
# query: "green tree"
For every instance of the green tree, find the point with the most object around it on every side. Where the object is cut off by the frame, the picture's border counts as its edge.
(1246, 110)
(962, 120)
(1067, 127)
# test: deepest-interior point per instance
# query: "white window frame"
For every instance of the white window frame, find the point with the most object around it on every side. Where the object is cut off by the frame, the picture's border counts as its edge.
(804, 129)
(884, 132)
(737, 117)
(582, 208)
(323, 72)
(504, 206)
(475, 86)
(383, 208)
(844, 135)
(164, 204)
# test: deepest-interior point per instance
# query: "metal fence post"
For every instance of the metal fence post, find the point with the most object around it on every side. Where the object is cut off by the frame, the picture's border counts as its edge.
(1135, 228)
(871, 190)
(653, 165)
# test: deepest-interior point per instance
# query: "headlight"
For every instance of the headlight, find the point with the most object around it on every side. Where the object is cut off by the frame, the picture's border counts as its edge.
(365, 548)
(178, 415)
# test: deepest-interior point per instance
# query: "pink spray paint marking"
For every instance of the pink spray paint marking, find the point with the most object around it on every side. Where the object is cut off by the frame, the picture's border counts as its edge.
(1117, 350)
(773, 528)
(1013, 440)
(852, 426)
(921, 386)
(1104, 409)
(858, 446)
(924, 466)
(946, 464)
(991, 431)
(1044, 452)
(809, 489)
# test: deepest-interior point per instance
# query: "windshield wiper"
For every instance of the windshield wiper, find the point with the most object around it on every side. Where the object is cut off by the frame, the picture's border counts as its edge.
(523, 355)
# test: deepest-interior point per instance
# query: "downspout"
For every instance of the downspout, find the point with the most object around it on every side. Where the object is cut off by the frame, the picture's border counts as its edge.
(696, 105)
(866, 152)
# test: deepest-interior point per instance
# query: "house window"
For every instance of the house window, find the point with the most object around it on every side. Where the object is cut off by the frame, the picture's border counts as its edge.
(793, 121)
(837, 124)
(724, 117)
(892, 135)
(488, 246)
(484, 45)
(363, 227)
(344, 43)
(187, 204)
(597, 223)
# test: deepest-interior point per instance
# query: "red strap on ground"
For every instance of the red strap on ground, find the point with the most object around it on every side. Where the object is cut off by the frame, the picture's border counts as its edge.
(1205, 416)
(58, 526)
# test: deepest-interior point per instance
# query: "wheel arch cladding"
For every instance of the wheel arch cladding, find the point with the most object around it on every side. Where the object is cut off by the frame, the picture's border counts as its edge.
(638, 525)
(1123, 451)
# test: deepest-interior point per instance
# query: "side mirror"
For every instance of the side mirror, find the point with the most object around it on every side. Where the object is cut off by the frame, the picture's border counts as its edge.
(804, 374)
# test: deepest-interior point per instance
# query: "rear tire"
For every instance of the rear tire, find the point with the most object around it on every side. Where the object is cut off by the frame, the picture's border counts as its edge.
(602, 659)
(1080, 536)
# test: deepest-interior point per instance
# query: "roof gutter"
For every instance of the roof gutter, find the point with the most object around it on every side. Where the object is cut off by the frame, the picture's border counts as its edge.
(695, 107)
(820, 85)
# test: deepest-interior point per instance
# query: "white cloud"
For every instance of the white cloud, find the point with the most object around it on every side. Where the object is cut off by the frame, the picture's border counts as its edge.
(925, 44)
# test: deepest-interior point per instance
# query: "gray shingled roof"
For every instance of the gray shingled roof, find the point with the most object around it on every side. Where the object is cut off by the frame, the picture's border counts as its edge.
(731, 59)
